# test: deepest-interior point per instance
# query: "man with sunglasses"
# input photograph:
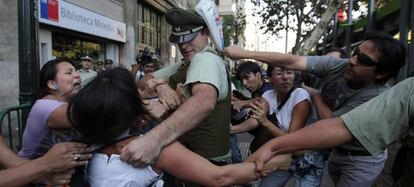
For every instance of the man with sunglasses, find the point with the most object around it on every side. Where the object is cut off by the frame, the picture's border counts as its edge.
(346, 84)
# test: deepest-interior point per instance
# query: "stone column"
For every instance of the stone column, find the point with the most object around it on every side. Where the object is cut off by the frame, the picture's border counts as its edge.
(128, 50)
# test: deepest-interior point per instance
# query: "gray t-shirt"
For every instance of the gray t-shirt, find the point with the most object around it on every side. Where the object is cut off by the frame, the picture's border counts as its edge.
(335, 90)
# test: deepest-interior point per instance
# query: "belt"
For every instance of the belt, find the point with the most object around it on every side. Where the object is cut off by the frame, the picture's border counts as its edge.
(343, 151)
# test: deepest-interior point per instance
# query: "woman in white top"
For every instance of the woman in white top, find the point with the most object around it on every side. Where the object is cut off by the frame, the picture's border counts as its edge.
(107, 112)
(287, 109)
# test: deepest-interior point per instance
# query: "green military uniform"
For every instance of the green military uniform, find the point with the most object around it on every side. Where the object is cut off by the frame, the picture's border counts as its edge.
(384, 120)
(210, 138)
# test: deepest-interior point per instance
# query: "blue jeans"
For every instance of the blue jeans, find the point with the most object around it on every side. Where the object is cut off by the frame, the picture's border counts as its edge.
(277, 178)
(236, 156)
(307, 180)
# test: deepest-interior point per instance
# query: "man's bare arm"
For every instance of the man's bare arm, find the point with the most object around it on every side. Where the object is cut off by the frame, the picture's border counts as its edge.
(272, 58)
(323, 110)
(334, 133)
(7, 157)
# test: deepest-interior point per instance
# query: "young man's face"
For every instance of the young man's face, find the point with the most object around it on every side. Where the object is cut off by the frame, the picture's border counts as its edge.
(148, 68)
(359, 70)
(190, 48)
(252, 81)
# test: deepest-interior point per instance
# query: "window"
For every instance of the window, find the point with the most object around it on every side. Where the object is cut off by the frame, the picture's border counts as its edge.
(149, 26)
(76, 47)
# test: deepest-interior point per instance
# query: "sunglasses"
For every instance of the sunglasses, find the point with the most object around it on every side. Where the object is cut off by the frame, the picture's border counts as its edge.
(363, 59)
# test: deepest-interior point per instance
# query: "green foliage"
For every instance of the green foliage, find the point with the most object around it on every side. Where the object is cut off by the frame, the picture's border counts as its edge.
(303, 15)
(233, 26)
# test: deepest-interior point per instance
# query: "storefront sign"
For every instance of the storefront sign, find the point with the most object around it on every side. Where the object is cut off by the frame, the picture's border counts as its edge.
(66, 15)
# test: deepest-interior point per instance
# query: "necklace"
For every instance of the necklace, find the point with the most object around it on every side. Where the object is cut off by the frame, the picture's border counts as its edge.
(58, 98)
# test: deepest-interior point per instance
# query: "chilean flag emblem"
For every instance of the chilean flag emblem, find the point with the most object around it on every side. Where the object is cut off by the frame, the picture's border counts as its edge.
(49, 9)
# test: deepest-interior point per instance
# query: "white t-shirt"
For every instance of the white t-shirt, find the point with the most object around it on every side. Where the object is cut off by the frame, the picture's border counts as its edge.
(284, 115)
(104, 171)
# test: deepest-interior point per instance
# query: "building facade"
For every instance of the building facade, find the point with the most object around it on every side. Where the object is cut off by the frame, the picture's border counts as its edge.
(103, 29)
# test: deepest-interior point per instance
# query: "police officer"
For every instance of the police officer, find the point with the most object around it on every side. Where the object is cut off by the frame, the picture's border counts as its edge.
(202, 119)
(108, 64)
(100, 66)
(86, 73)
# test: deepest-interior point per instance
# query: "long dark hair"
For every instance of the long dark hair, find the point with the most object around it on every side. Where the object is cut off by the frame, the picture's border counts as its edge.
(106, 107)
(47, 73)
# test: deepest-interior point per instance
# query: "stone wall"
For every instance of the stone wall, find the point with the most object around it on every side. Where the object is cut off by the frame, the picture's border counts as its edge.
(9, 66)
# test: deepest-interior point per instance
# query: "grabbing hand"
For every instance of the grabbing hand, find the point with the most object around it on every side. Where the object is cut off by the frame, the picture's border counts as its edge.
(311, 91)
(167, 95)
(65, 156)
(180, 92)
(156, 109)
(259, 112)
(142, 151)
(277, 162)
(261, 156)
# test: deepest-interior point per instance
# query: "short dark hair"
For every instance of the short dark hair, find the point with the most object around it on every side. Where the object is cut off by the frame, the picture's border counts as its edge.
(106, 107)
(392, 53)
(47, 73)
(245, 68)
(270, 70)
(342, 52)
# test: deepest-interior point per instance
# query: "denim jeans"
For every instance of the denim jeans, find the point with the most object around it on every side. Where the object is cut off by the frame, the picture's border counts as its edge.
(277, 178)
(307, 180)
(236, 156)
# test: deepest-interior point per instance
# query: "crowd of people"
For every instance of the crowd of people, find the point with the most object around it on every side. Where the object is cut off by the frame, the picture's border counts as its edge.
(177, 126)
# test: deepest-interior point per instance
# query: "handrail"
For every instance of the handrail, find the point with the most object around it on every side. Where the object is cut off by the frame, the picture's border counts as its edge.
(7, 113)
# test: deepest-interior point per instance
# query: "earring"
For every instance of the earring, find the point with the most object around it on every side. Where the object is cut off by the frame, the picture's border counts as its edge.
(55, 87)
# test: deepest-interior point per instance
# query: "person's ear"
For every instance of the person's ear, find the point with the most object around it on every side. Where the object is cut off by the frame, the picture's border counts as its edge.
(258, 75)
(52, 85)
(381, 75)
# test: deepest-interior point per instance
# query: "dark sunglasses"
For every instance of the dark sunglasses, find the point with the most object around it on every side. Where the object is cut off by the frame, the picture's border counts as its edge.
(363, 59)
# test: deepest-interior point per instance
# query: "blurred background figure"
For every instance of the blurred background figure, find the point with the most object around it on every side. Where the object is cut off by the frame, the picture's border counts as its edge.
(100, 66)
(86, 73)
(108, 64)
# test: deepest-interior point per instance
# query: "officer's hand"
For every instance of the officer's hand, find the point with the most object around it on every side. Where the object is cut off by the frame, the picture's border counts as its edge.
(142, 151)
(169, 96)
